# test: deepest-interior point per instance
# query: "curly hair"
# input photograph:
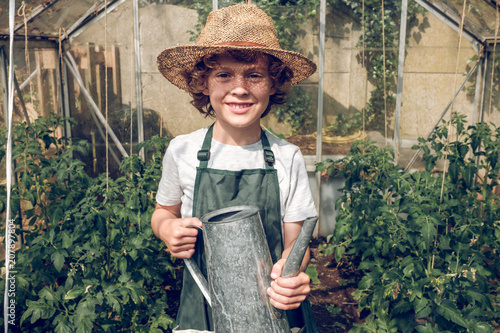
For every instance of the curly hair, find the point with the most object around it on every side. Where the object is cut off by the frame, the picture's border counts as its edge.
(279, 73)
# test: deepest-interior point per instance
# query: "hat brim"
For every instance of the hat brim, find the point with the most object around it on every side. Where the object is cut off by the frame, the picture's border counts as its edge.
(175, 61)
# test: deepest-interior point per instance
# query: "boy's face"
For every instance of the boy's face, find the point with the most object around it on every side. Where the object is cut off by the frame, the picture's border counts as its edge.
(239, 92)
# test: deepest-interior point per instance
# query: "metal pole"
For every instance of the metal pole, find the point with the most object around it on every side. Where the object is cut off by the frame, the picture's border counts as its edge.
(479, 91)
(401, 63)
(9, 172)
(319, 128)
(65, 97)
(138, 83)
(27, 81)
(483, 85)
(3, 72)
(21, 100)
(215, 4)
(93, 105)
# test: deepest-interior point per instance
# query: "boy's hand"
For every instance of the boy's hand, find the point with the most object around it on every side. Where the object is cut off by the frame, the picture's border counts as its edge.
(179, 235)
(287, 293)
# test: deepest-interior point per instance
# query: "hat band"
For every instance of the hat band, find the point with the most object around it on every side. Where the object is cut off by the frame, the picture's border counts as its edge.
(241, 44)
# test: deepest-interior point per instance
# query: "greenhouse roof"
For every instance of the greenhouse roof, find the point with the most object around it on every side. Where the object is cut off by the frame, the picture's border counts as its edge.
(50, 19)
(480, 17)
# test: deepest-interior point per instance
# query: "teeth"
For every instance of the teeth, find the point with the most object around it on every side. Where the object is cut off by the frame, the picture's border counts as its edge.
(240, 106)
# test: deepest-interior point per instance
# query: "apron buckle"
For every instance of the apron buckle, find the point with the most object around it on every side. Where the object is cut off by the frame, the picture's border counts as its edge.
(269, 156)
(203, 155)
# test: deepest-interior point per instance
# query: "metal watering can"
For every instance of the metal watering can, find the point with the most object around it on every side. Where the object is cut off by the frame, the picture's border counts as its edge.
(239, 270)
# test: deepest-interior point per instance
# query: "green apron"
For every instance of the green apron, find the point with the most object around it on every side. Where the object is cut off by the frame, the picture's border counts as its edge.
(215, 189)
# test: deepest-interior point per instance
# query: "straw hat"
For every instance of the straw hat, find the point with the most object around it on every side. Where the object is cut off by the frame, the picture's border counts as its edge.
(240, 26)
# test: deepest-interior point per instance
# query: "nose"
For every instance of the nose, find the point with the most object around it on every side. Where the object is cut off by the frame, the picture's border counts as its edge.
(240, 86)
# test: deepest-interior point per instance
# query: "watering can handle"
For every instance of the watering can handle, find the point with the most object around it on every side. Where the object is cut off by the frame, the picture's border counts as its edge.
(294, 261)
(292, 264)
(195, 271)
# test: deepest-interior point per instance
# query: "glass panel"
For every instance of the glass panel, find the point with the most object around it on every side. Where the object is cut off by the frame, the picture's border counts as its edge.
(433, 74)
(491, 101)
(345, 83)
(60, 14)
(480, 15)
(163, 26)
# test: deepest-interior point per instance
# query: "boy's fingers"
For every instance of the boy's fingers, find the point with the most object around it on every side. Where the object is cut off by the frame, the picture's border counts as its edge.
(183, 254)
(277, 268)
(192, 223)
(296, 282)
(290, 288)
(284, 302)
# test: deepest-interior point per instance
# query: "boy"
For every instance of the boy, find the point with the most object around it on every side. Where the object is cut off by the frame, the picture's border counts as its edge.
(235, 72)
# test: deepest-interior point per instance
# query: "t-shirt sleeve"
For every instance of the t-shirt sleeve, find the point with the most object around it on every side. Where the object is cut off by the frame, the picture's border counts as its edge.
(169, 190)
(299, 204)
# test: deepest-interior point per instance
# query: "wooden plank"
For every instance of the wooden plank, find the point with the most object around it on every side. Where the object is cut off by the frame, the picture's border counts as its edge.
(90, 70)
(42, 88)
(115, 65)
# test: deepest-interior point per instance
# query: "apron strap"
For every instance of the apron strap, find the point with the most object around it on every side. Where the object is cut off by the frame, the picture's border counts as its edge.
(204, 152)
(268, 153)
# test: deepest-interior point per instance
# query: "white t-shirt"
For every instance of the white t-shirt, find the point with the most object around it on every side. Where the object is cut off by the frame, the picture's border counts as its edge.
(180, 163)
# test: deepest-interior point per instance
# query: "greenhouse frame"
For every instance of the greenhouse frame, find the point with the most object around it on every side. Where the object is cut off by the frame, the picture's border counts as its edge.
(391, 81)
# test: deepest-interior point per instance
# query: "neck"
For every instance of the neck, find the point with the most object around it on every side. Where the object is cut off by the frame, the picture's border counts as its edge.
(236, 136)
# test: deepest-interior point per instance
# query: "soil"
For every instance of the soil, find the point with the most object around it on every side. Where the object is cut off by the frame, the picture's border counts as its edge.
(333, 306)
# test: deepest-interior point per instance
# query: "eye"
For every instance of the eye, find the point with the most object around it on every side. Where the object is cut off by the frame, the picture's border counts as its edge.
(222, 76)
(255, 77)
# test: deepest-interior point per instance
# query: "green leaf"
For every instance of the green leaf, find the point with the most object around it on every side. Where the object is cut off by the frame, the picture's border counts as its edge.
(62, 326)
(122, 265)
(339, 252)
(58, 260)
(313, 274)
(66, 240)
(408, 270)
(426, 311)
(420, 304)
(114, 302)
(454, 171)
(449, 311)
(481, 328)
(56, 215)
(428, 231)
(367, 281)
(74, 293)
(48, 294)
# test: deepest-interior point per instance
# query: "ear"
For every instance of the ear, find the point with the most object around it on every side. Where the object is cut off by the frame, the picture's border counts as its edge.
(273, 91)
(206, 91)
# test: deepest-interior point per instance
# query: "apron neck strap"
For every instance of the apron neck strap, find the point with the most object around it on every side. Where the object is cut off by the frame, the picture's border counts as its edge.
(204, 152)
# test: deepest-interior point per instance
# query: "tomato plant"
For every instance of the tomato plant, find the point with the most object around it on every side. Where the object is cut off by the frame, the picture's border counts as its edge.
(89, 261)
(427, 243)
